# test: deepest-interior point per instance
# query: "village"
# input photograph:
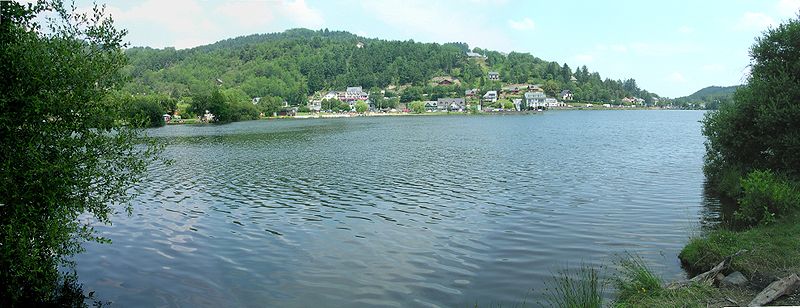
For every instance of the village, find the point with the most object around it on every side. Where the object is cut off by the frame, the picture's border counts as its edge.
(509, 98)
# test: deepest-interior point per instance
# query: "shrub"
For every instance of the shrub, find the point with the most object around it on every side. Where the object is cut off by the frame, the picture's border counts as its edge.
(765, 197)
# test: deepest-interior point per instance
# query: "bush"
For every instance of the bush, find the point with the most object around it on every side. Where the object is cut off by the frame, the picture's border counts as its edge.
(765, 197)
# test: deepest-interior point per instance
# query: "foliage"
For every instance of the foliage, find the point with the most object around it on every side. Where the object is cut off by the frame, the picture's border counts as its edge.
(508, 105)
(771, 250)
(361, 107)
(417, 107)
(709, 98)
(634, 279)
(141, 110)
(578, 288)
(766, 196)
(760, 129)
(299, 62)
(63, 149)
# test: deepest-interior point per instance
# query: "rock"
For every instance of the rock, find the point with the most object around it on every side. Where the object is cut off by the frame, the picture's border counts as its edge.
(719, 277)
(736, 279)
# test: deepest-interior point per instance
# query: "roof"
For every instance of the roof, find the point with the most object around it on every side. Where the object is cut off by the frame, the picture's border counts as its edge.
(563, 92)
(532, 95)
(354, 89)
(451, 100)
(490, 92)
(494, 73)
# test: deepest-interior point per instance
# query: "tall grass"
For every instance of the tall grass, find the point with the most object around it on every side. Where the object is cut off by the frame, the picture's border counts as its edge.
(575, 288)
(634, 279)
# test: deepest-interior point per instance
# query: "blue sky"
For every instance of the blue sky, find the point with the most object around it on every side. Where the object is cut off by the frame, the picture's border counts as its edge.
(672, 48)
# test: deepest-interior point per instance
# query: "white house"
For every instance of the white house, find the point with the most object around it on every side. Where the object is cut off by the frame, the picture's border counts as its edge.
(494, 76)
(535, 100)
(490, 96)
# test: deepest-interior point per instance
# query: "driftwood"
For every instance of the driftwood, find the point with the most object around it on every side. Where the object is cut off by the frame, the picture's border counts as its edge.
(776, 289)
(708, 277)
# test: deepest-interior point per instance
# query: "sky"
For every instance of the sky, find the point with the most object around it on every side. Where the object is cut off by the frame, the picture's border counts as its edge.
(672, 48)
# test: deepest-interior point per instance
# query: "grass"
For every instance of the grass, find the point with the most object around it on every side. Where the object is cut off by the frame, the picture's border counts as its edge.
(772, 250)
(578, 288)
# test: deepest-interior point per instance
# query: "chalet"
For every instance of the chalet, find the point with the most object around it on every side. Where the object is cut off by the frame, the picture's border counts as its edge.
(566, 95)
(573, 79)
(444, 81)
(359, 45)
(451, 104)
(471, 92)
(494, 76)
(490, 96)
(514, 88)
(431, 105)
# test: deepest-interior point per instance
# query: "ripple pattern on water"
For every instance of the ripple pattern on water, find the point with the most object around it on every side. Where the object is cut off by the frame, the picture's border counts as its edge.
(397, 212)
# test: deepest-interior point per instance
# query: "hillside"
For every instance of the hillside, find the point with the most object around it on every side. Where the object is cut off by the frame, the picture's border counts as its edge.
(710, 97)
(292, 65)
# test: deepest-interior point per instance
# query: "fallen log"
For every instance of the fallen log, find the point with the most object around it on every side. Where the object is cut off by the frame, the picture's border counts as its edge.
(707, 277)
(776, 289)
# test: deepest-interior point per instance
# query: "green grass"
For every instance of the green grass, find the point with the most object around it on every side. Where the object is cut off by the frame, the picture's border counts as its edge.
(695, 295)
(578, 288)
(635, 280)
(771, 250)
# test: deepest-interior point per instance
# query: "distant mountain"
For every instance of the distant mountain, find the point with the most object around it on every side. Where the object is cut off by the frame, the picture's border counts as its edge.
(710, 97)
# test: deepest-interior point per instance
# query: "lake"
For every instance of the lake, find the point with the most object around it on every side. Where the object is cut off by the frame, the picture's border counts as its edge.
(416, 211)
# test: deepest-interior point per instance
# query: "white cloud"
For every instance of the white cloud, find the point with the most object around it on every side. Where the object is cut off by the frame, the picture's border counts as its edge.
(788, 7)
(525, 24)
(422, 20)
(755, 21)
(184, 19)
(676, 77)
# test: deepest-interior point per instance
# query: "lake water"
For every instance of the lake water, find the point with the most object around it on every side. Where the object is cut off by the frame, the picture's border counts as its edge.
(401, 211)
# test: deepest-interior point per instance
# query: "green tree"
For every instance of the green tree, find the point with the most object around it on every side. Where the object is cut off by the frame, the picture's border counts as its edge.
(760, 129)
(417, 107)
(63, 149)
(361, 107)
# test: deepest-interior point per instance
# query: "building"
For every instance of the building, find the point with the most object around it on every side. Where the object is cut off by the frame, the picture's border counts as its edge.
(566, 95)
(471, 92)
(431, 105)
(359, 45)
(552, 102)
(517, 104)
(353, 94)
(490, 96)
(494, 76)
(451, 104)
(475, 55)
(535, 100)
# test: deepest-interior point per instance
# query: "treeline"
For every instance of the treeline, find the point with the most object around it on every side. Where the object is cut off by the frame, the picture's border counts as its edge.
(294, 64)
(709, 98)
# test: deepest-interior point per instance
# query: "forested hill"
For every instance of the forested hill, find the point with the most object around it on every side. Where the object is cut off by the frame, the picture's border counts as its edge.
(292, 65)
(711, 96)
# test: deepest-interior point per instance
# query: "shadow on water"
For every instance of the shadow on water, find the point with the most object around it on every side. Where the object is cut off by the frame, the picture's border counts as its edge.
(717, 210)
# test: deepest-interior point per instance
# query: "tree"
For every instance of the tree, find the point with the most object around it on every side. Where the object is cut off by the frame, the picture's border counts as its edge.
(760, 129)
(361, 107)
(63, 149)
(417, 107)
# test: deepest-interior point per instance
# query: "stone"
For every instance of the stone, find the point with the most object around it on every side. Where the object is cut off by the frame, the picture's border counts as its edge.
(736, 279)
